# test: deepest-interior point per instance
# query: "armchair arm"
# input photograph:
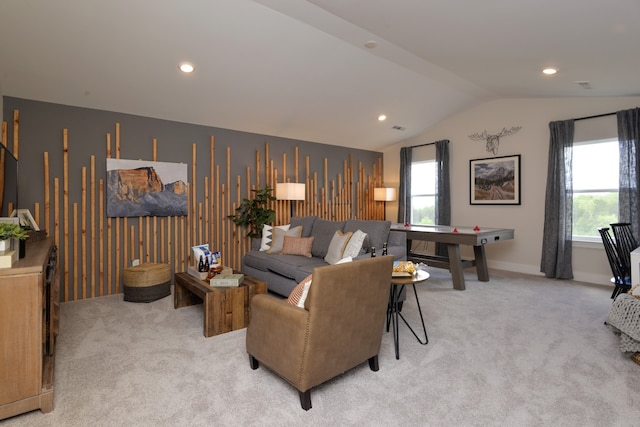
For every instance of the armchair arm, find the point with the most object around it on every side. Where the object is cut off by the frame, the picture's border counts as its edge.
(276, 335)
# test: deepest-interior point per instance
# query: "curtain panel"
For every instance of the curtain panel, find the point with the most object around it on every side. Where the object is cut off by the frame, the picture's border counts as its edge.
(404, 192)
(558, 211)
(628, 143)
(443, 193)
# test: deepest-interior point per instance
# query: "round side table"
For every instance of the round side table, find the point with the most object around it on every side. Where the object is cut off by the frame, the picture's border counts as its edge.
(397, 284)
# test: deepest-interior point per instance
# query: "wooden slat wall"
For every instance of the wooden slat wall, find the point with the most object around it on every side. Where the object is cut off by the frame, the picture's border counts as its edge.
(83, 238)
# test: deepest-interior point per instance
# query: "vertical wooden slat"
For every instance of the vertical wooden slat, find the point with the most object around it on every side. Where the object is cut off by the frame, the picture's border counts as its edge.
(75, 252)
(193, 193)
(101, 237)
(147, 248)
(109, 239)
(117, 221)
(16, 133)
(56, 228)
(65, 201)
(92, 187)
(83, 231)
(47, 195)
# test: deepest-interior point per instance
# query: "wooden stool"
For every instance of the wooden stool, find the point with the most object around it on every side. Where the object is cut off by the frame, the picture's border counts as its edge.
(146, 282)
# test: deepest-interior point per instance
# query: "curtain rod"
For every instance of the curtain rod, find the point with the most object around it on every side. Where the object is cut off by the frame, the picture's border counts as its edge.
(594, 117)
(422, 145)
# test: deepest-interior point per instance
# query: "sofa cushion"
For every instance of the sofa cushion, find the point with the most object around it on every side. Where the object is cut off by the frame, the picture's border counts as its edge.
(377, 231)
(299, 294)
(293, 266)
(354, 246)
(278, 238)
(258, 260)
(297, 246)
(337, 246)
(323, 231)
(267, 235)
(306, 222)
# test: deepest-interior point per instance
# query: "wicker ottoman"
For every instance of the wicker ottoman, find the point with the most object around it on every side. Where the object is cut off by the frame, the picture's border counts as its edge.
(147, 282)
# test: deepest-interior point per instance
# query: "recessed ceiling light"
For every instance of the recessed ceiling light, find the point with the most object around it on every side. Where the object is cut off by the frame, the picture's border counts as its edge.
(382, 118)
(549, 71)
(370, 44)
(186, 67)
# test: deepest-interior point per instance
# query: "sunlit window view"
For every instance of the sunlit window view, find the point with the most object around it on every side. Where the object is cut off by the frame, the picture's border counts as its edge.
(423, 192)
(595, 187)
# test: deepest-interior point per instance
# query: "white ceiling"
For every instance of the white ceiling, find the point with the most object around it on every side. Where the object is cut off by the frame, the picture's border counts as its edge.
(299, 69)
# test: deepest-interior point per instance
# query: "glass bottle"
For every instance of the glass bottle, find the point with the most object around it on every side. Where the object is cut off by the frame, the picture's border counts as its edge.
(384, 249)
(373, 251)
(201, 264)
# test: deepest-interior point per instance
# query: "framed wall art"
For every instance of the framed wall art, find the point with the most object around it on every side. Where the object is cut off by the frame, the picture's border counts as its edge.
(144, 188)
(495, 181)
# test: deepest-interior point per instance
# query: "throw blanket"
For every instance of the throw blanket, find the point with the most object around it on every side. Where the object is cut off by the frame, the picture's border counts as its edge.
(624, 318)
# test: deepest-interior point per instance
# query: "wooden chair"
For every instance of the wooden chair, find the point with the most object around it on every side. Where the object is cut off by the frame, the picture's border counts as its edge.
(625, 241)
(340, 327)
(620, 268)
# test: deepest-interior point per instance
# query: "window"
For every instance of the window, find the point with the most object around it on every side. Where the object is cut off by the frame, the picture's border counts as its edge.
(423, 192)
(595, 187)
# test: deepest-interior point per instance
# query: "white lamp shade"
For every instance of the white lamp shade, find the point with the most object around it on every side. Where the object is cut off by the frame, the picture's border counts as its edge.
(384, 194)
(290, 191)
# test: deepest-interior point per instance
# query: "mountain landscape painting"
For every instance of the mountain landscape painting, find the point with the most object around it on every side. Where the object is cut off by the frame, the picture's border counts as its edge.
(143, 188)
(495, 181)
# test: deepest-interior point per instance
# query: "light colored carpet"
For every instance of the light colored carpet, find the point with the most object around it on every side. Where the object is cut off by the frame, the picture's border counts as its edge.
(516, 351)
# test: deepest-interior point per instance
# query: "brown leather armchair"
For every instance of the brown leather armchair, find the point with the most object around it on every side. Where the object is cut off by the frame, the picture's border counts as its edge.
(340, 327)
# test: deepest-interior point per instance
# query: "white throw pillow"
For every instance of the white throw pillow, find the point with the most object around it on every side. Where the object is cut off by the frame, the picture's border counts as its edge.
(305, 293)
(345, 259)
(267, 235)
(355, 244)
(336, 247)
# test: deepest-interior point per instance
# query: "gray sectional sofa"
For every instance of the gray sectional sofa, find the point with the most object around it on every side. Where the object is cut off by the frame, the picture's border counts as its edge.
(283, 272)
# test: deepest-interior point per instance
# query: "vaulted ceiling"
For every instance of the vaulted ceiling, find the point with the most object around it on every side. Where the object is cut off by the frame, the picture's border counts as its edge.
(316, 70)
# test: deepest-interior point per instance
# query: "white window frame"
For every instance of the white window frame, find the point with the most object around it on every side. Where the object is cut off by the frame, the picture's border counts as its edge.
(433, 161)
(590, 239)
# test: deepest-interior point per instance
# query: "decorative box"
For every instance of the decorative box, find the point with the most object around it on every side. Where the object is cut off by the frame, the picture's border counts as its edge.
(227, 280)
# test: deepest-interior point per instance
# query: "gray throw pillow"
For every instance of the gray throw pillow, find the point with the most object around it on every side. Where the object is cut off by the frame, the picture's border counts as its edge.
(377, 231)
(323, 231)
(306, 222)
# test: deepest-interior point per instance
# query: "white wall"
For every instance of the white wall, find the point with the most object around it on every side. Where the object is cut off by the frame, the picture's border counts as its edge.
(532, 143)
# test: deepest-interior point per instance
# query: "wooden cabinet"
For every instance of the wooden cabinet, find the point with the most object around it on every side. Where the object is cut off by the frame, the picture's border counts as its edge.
(29, 322)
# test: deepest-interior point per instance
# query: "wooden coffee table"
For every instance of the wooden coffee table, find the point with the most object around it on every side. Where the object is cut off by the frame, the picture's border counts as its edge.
(225, 309)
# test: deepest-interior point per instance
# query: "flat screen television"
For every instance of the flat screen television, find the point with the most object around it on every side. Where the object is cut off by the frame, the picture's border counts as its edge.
(9, 182)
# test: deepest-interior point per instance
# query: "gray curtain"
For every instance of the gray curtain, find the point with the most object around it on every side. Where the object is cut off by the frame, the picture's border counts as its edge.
(558, 209)
(404, 196)
(629, 142)
(443, 194)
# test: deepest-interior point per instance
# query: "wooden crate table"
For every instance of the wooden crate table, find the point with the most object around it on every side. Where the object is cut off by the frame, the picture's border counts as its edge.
(225, 309)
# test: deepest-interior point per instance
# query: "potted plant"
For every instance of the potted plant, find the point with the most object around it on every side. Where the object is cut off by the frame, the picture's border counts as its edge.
(8, 231)
(254, 213)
